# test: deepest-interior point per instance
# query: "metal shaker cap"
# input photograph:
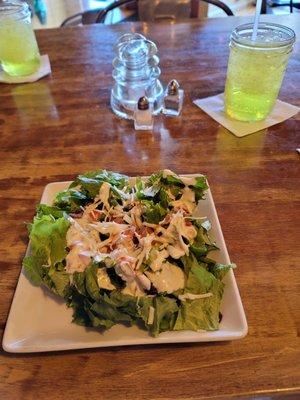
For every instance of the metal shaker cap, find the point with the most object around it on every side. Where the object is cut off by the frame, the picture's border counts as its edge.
(173, 87)
(143, 103)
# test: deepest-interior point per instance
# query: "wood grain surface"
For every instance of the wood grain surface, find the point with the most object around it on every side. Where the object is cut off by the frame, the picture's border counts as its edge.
(53, 129)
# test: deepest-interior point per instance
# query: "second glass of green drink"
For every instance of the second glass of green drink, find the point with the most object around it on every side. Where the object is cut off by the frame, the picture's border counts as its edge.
(256, 69)
(19, 53)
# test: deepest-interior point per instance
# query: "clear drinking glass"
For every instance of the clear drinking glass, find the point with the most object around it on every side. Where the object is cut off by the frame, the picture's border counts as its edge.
(136, 74)
(19, 53)
(256, 69)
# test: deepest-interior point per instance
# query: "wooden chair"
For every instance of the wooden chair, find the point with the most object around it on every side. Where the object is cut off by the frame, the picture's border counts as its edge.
(187, 9)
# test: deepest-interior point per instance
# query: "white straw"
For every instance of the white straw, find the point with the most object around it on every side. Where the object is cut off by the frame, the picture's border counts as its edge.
(256, 20)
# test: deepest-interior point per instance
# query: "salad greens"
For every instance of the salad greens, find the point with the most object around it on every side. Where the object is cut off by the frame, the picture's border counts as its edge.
(127, 250)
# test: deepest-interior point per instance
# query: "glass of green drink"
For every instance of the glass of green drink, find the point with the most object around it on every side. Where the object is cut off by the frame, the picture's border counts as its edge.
(256, 69)
(19, 53)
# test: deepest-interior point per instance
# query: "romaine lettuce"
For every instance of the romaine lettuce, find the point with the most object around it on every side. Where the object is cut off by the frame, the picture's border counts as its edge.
(95, 306)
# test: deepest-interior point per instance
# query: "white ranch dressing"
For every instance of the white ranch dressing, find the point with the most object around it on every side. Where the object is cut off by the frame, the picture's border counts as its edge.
(188, 180)
(168, 279)
(85, 244)
(186, 201)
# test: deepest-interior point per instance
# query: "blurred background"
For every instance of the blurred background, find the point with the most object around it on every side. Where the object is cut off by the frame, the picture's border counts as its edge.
(53, 13)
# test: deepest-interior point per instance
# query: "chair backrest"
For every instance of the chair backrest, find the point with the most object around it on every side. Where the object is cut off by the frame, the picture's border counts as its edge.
(162, 9)
(148, 10)
(153, 10)
(84, 18)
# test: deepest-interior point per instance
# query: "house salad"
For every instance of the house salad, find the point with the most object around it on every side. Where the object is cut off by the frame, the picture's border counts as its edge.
(129, 250)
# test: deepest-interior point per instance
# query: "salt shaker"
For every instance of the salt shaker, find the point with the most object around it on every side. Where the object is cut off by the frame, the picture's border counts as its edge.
(173, 99)
(143, 115)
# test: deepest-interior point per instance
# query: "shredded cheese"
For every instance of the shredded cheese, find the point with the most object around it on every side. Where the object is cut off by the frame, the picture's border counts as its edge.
(192, 296)
(130, 242)
(151, 315)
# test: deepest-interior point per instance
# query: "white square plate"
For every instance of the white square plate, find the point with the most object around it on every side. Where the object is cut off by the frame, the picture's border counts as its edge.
(39, 321)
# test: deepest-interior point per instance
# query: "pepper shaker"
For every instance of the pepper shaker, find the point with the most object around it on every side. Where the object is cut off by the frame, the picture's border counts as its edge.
(143, 115)
(173, 99)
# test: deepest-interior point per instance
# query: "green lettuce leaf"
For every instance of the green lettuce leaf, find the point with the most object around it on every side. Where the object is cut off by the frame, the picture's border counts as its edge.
(56, 279)
(165, 311)
(48, 250)
(101, 313)
(90, 186)
(86, 313)
(70, 200)
(91, 283)
(91, 182)
(107, 311)
(143, 192)
(220, 270)
(153, 213)
(143, 307)
(60, 281)
(97, 321)
(116, 196)
(200, 187)
(80, 306)
(162, 198)
(173, 184)
(165, 314)
(201, 281)
(199, 314)
(125, 303)
(171, 180)
(202, 244)
(48, 239)
(44, 209)
(33, 267)
(189, 262)
(79, 282)
(154, 179)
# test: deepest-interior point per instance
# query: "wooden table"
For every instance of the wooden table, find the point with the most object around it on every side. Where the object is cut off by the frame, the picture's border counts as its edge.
(53, 129)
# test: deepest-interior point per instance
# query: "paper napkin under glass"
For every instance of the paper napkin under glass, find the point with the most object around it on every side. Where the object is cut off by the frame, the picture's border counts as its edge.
(44, 69)
(214, 106)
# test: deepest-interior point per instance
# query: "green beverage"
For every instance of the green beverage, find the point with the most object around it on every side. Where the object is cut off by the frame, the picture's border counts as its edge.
(256, 69)
(19, 53)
